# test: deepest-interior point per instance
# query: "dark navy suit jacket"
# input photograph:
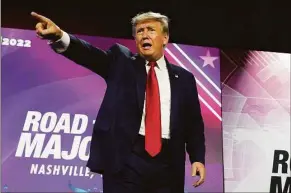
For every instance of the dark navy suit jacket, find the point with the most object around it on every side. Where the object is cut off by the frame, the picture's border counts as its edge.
(119, 118)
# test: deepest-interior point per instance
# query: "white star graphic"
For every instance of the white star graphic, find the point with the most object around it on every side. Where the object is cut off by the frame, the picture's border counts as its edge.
(208, 59)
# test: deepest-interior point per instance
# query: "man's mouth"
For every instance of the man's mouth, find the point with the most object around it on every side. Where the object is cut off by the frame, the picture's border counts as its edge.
(146, 46)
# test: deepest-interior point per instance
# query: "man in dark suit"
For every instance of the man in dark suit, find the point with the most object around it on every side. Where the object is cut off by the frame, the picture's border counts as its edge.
(150, 110)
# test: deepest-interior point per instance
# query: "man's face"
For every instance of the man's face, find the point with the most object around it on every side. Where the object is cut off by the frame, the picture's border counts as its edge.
(150, 39)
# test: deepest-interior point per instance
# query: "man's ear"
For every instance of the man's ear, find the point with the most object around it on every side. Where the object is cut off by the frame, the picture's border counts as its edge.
(166, 40)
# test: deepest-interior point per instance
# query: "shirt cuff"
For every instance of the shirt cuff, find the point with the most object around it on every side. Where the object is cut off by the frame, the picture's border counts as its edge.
(62, 44)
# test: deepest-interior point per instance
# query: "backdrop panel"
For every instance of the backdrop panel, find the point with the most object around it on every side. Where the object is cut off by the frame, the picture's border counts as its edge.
(256, 120)
(50, 154)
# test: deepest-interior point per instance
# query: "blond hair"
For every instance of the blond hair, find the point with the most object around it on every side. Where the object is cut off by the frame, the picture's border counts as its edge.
(164, 20)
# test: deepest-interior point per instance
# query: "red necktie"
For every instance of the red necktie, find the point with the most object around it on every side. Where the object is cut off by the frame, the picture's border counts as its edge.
(153, 113)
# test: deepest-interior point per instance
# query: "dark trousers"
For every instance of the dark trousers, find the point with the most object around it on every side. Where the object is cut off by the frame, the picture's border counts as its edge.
(141, 173)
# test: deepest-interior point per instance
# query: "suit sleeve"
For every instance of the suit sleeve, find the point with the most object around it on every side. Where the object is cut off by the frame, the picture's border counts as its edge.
(88, 56)
(195, 139)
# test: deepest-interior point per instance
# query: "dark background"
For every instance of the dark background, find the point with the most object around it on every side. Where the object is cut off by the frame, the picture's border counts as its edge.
(246, 24)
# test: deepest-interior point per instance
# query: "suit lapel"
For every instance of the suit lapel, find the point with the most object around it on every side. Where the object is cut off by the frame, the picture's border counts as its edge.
(174, 79)
(141, 75)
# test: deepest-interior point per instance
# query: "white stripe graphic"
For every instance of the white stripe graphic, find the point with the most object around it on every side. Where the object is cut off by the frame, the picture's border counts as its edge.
(202, 100)
(199, 70)
(197, 80)
(209, 107)
(173, 56)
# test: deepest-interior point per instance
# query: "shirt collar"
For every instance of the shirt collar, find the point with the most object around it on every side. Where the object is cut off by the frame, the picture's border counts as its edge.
(161, 63)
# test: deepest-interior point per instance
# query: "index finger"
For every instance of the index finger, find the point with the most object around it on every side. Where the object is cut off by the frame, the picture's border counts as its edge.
(202, 178)
(39, 17)
(199, 182)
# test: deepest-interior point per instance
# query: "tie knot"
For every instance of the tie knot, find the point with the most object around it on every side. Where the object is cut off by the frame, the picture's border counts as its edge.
(152, 64)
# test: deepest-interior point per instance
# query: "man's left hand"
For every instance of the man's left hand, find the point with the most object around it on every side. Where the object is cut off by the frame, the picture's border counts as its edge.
(198, 167)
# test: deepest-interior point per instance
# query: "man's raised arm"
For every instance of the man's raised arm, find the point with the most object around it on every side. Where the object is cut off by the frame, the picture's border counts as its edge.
(75, 49)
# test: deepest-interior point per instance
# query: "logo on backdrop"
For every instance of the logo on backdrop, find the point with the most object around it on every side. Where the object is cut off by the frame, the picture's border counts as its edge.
(47, 135)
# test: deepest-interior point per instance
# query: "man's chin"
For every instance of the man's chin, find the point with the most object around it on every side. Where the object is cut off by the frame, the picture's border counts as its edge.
(147, 56)
(146, 53)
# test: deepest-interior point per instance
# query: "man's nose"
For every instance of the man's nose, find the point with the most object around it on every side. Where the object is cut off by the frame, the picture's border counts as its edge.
(145, 35)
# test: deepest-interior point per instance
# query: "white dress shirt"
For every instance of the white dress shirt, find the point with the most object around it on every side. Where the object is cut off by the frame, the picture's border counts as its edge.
(165, 98)
(163, 81)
